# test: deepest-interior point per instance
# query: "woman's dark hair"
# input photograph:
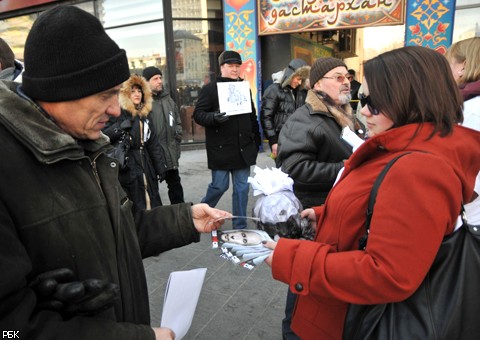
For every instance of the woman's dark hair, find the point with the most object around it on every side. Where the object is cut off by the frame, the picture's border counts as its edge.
(415, 85)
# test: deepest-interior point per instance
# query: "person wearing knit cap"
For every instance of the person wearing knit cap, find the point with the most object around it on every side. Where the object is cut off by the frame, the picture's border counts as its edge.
(310, 148)
(314, 159)
(281, 99)
(232, 142)
(168, 124)
(151, 71)
(70, 249)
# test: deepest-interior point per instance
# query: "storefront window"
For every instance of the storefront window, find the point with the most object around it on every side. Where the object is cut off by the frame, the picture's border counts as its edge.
(198, 43)
(467, 20)
(207, 9)
(197, 47)
(145, 46)
(123, 12)
(15, 30)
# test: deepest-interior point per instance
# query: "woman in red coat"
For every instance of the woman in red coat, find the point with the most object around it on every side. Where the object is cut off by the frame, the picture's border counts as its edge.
(411, 104)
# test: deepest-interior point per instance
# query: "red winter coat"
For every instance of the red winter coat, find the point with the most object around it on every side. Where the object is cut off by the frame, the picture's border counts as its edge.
(417, 205)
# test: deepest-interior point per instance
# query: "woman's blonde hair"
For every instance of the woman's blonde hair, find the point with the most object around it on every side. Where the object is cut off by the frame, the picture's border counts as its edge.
(468, 52)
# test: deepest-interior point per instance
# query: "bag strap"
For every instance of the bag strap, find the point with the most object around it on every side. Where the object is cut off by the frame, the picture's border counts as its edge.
(373, 196)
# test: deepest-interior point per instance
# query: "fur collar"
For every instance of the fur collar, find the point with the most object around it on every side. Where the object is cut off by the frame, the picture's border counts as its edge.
(320, 103)
(127, 104)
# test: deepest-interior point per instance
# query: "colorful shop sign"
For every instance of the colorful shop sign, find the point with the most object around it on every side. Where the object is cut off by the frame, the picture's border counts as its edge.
(286, 16)
(430, 24)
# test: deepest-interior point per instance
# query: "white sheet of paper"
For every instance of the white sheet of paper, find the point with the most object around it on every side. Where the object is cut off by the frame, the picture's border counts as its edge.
(234, 97)
(181, 297)
(351, 138)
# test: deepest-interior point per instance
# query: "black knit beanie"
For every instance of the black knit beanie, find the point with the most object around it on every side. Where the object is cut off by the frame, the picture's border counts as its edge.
(68, 55)
(321, 66)
(150, 71)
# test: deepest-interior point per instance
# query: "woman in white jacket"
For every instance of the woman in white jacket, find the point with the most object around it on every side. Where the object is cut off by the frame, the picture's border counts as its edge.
(464, 59)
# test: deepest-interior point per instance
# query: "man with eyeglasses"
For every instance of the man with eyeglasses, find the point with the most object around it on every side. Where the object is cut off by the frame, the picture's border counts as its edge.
(310, 148)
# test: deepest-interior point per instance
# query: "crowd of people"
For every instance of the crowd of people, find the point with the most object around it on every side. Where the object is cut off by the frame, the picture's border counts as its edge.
(96, 220)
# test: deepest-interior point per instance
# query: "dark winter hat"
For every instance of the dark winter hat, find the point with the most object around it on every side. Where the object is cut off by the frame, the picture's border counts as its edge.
(321, 66)
(68, 55)
(229, 57)
(150, 71)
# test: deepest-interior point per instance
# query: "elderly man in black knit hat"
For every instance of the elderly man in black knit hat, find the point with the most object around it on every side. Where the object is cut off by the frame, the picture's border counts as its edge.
(232, 142)
(310, 148)
(70, 251)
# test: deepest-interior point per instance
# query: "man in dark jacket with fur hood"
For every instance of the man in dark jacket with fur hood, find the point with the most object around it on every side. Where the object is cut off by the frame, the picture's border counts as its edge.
(70, 251)
(280, 100)
(232, 141)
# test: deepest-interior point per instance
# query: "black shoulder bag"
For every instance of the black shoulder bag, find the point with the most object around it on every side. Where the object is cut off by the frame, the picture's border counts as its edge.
(445, 306)
(120, 151)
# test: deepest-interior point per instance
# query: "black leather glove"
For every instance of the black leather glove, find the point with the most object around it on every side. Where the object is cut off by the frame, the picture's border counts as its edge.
(126, 124)
(57, 291)
(294, 227)
(161, 176)
(300, 227)
(220, 117)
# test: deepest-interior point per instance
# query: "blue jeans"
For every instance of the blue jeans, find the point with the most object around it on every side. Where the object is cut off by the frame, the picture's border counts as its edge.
(287, 333)
(220, 184)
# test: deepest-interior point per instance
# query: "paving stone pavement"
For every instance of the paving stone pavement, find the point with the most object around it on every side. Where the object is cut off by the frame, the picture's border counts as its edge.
(235, 303)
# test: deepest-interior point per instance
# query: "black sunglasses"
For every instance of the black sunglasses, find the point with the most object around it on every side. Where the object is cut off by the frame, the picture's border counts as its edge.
(365, 100)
